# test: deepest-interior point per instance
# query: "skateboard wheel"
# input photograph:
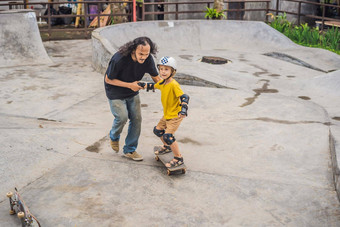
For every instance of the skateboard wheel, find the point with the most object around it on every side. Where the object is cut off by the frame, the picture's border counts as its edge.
(157, 158)
(9, 194)
(21, 215)
(169, 172)
(11, 212)
(184, 171)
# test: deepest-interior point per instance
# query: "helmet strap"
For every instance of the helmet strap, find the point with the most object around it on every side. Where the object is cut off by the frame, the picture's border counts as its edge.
(172, 74)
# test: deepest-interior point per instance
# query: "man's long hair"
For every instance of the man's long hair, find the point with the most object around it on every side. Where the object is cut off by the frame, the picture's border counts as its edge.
(131, 46)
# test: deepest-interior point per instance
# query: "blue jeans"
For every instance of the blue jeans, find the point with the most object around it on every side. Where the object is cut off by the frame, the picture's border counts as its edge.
(122, 110)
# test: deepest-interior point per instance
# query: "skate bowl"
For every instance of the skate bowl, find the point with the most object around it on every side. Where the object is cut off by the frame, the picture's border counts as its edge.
(257, 154)
(257, 55)
(20, 41)
(192, 39)
(189, 36)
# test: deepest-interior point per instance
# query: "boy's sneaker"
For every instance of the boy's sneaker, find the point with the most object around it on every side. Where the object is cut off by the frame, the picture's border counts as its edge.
(159, 150)
(134, 156)
(115, 145)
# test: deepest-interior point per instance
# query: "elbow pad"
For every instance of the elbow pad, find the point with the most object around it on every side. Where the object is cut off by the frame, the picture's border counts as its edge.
(184, 98)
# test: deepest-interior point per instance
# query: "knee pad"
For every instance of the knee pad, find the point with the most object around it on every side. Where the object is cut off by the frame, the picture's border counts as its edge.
(157, 132)
(169, 138)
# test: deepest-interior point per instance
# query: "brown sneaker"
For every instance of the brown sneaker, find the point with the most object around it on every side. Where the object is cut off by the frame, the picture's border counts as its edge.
(134, 156)
(115, 146)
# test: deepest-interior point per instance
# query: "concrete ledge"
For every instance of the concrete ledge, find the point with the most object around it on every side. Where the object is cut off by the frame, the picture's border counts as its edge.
(335, 157)
(20, 41)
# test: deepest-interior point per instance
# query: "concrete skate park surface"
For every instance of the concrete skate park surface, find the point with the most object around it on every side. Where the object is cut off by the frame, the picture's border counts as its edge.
(258, 149)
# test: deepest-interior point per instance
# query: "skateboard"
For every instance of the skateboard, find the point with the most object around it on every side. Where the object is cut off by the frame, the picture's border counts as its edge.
(165, 158)
(19, 207)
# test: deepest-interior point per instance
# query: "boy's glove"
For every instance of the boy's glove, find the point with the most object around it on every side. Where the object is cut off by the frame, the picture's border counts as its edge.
(141, 84)
(150, 86)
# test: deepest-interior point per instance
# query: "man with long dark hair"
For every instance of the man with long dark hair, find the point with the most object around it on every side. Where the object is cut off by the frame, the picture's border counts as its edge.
(126, 68)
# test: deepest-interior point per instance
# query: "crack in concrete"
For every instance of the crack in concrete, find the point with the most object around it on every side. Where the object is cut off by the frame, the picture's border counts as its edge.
(257, 74)
(258, 92)
(335, 167)
(24, 117)
(96, 146)
(46, 119)
(40, 120)
(304, 97)
(266, 119)
(186, 79)
(55, 112)
(293, 60)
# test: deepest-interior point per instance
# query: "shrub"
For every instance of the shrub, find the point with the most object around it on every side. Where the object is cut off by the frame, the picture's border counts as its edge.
(212, 13)
(307, 36)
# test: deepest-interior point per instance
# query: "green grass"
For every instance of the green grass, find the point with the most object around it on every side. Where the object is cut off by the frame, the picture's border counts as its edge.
(308, 36)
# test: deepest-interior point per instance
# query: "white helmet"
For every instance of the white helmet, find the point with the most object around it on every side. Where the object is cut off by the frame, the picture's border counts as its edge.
(168, 61)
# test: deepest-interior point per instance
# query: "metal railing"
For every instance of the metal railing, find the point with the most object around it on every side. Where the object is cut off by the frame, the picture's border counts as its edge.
(299, 14)
(207, 3)
(84, 15)
(174, 8)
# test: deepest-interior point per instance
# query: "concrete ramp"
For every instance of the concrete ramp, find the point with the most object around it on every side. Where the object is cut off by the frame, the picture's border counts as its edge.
(263, 155)
(330, 82)
(199, 35)
(20, 41)
(196, 38)
(190, 35)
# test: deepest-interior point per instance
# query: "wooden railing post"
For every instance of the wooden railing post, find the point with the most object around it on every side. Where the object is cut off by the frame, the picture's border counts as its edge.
(299, 13)
(49, 20)
(86, 7)
(323, 17)
(267, 11)
(176, 11)
(277, 7)
(143, 12)
(98, 15)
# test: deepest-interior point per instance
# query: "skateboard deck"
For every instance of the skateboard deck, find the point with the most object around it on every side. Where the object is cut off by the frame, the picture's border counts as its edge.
(19, 207)
(165, 158)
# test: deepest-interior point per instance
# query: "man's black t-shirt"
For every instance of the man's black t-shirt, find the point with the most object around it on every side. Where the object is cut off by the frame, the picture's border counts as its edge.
(125, 69)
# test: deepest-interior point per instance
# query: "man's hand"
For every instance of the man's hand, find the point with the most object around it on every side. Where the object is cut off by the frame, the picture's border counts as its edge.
(134, 86)
(142, 84)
